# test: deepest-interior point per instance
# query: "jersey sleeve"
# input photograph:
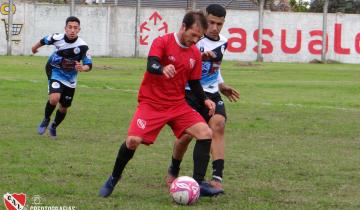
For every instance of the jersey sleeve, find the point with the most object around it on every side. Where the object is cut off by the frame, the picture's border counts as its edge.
(86, 59)
(49, 39)
(157, 47)
(220, 78)
(196, 72)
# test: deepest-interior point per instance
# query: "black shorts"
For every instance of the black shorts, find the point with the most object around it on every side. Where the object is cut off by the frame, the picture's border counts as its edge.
(66, 93)
(202, 109)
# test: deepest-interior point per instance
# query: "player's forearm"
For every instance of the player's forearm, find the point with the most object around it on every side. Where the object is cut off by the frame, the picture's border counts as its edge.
(221, 86)
(36, 46)
(83, 68)
(197, 89)
(154, 66)
(86, 67)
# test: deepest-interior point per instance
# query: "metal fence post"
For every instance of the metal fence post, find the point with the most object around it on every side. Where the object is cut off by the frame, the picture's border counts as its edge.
(260, 31)
(137, 22)
(193, 7)
(324, 40)
(10, 27)
(72, 7)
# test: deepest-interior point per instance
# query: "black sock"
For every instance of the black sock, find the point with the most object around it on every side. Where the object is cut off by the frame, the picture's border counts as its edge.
(123, 157)
(49, 110)
(201, 157)
(58, 118)
(218, 167)
(174, 167)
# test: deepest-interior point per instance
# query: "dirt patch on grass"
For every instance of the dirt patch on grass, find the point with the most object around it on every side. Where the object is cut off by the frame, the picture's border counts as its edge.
(103, 67)
(247, 64)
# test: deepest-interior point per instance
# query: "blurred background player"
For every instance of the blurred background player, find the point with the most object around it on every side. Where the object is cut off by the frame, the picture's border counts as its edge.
(173, 61)
(62, 69)
(212, 46)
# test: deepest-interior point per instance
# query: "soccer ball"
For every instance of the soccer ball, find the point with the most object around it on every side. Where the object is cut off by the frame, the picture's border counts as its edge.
(185, 190)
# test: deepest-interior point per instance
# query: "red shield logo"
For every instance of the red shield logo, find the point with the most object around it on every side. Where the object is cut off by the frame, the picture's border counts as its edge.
(15, 201)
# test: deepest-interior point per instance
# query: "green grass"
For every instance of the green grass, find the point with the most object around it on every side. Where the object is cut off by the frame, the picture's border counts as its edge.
(292, 141)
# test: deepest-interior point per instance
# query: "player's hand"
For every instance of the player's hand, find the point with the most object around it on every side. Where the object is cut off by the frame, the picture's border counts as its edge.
(211, 106)
(78, 66)
(169, 71)
(208, 55)
(34, 50)
(232, 94)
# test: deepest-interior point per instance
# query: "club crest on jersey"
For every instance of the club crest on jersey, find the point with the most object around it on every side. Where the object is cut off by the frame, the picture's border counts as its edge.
(201, 49)
(15, 201)
(192, 63)
(141, 123)
(171, 58)
(76, 50)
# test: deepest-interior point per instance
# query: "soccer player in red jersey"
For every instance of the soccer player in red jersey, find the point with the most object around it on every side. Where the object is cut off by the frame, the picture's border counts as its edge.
(173, 61)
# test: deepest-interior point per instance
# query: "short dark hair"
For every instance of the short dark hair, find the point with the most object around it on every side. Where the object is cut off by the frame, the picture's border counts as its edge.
(216, 10)
(195, 17)
(72, 19)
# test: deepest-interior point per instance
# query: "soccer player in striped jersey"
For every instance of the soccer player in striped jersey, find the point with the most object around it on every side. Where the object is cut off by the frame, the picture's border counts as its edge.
(212, 46)
(70, 57)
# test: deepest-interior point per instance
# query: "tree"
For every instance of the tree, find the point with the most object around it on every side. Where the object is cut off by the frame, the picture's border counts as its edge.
(299, 5)
(344, 6)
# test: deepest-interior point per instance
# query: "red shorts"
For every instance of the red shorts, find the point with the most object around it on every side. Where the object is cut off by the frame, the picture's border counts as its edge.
(149, 119)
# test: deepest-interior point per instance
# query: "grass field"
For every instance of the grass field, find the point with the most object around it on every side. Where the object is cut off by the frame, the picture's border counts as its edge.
(292, 141)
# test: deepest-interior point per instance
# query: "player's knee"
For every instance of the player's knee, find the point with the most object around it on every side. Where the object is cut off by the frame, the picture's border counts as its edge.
(218, 126)
(184, 140)
(132, 142)
(206, 133)
(54, 100)
(63, 109)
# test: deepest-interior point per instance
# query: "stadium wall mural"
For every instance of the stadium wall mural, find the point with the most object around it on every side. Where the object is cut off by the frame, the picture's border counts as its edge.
(110, 31)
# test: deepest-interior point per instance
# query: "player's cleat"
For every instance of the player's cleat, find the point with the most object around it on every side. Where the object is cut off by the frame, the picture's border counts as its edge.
(217, 184)
(43, 125)
(170, 178)
(207, 190)
(52, 131)
(108, 187)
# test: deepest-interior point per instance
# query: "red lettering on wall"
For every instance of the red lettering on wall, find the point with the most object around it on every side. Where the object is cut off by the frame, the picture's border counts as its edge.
(357, 43)
(267, 46)
(290, 50)
(234, 41)
(313, 43)
(337, 41)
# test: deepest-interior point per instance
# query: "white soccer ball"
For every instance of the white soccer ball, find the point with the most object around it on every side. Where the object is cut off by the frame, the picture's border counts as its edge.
(185, 190)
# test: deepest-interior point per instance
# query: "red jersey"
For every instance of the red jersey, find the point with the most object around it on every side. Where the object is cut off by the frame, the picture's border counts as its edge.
(159, 90)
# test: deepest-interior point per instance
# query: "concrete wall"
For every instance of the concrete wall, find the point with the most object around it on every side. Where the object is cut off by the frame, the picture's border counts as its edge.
(110, 31)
